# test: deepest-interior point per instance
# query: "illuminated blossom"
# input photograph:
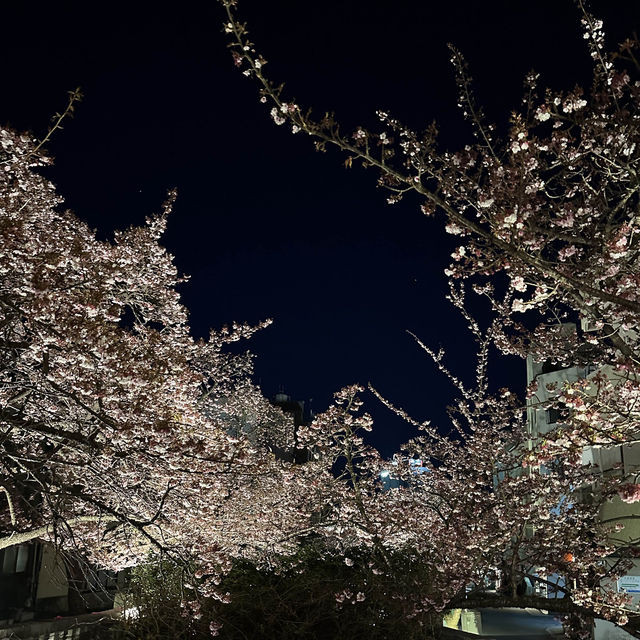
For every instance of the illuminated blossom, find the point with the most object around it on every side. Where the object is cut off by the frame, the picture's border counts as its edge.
(629, 493)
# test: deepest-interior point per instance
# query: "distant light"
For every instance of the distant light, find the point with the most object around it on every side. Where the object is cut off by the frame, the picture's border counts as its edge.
(384, 474)
(417, 466)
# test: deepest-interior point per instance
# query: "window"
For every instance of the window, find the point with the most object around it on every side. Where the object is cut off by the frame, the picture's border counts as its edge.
(556, 414)
(548, 366)
(15, 559)
(552, 415)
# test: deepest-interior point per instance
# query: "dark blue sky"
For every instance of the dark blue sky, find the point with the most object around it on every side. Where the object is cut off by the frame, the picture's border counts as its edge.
(265, 226)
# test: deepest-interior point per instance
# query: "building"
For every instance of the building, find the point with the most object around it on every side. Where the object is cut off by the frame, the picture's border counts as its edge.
(605, 461)
(38, 583)
(295, 409)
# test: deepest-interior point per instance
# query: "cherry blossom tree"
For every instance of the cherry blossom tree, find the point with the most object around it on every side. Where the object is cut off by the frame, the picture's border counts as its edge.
(548, 228)
(121, 434)
(468, 506)
(552, 206)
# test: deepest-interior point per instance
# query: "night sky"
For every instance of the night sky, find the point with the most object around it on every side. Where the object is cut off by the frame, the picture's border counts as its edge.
(265, 226)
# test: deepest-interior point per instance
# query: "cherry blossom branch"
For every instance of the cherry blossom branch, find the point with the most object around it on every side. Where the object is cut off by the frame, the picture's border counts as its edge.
(327, 132)
(75, 96)
(48, 530)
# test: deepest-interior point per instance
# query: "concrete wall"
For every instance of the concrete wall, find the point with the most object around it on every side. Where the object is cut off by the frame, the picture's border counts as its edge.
(52, 580)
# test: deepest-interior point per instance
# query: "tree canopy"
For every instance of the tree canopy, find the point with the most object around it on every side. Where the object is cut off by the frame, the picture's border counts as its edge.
(121, 434)
(547, 220)
(124, 438)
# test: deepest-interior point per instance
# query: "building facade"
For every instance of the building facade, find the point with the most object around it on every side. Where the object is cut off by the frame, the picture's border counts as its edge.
(605, 461)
